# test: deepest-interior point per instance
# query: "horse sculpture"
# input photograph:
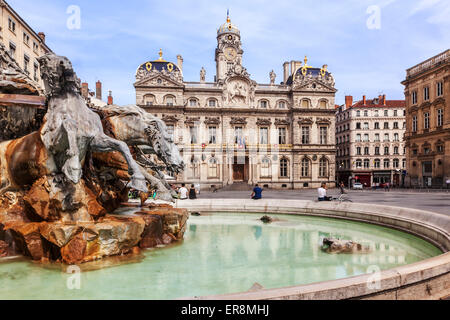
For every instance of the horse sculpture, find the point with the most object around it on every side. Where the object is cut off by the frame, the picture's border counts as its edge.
(71, 128)
(146, 134)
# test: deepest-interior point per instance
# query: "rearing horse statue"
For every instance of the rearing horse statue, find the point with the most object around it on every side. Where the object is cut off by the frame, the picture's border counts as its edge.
(71, 129)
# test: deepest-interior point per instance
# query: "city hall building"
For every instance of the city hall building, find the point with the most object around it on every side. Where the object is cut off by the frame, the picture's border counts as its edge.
(234, 130)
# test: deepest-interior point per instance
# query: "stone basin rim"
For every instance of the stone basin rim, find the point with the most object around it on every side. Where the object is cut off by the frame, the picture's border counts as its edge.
(426, 279)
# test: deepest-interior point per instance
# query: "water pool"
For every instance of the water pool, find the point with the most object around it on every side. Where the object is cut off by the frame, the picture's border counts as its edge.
(222, 253)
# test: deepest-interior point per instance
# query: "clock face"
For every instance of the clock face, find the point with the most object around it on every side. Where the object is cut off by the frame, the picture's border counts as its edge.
(230, 53)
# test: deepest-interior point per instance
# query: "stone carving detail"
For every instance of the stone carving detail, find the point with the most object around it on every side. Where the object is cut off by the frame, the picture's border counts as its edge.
(306, 120)
(272, 76)
(202, 75)
(238, 120)
(212, 120)
(142, 75)
(282, 122)
(263, 122)
(323, 121)
(170, 119)
(192, 120)
(318, 82)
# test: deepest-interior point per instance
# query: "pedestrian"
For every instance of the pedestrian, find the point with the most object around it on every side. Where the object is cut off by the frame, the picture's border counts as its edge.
(386, 186)
(257, 193)
(183, 192)
(323, 193)
(197, 188)
(192, 192)
(341, 186)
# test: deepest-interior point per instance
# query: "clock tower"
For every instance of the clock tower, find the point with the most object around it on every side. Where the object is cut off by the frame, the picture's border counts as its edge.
(229, 49)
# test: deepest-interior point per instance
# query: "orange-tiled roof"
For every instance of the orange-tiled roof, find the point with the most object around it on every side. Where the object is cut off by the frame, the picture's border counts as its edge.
(372, 104)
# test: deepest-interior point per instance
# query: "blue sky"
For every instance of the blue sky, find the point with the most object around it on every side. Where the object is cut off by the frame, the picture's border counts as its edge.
(117, 36)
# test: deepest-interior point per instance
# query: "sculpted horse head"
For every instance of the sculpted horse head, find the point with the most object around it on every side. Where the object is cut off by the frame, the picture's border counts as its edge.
(137, 127)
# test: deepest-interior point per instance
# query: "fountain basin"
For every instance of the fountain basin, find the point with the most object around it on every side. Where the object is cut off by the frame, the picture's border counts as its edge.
(427, 279)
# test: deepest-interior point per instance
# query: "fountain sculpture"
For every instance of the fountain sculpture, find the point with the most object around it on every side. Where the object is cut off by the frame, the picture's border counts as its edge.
(60, 184)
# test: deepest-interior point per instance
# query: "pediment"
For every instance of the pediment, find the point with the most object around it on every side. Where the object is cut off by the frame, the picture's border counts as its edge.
(312, 85)
(263, 122)
(158, 80)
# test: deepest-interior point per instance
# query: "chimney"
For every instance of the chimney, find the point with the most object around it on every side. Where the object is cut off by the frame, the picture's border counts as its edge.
(98, 90)
(110, 98)
(364, 100)
(180, 62)
(292, 67)
(285, 71)
(384, 99)
(85, 89)
(348, 101)
(42, 36)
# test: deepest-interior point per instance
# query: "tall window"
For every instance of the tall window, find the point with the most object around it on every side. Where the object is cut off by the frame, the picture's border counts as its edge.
(305, 167)
(170, 101)
(212, 102)
(396, 163)
(386, 137)
(377, 125)
(26, 63)
(396, 137)
(426, 120)
(366, 137)
(358, 137)
(395, 113)
(376, 113)
(194, 167)
(358, 113)
(213, 171)
(439, 88)
(192, 102)
(414, 97)
(323, 167)
(404, 163)
(193, 134)
(386, 151)
(36, 69)
(414, 124)
(284, 168)
(366, 126)
(170, 131)
(26, 39)
(212, 135)
(426, 94)
(264, 135)
(366, 151)
(386, 125)
(265, 167)
(366, 113)
(358, 163)
(305, 135)
(282, 135)
(377, 137)
(358, 125)
(305, 103)
(377, 163)
(263, 104)
(12, 50)
(386, 113)
(238, 135)
(377, 150)
(358, 151)
(366, 163)
(323, 135)
(440, 117)
(386, 163)
(12, 25)
(395, 150)
(395, 125)
(282, 105)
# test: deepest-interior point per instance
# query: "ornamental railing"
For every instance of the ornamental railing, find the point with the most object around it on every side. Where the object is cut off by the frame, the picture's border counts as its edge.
(428, 64)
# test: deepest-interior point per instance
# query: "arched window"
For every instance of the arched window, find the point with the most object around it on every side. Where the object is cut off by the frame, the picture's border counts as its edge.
(386, 163)
(263, 104)
(265, 167)
(358, 163)
(305, 103)
(169, 100)
(193, 102)
(366, 163)
(323, 167)
(305, 167)
(149, 100)
(212, 103)
(323, 104)
(284, 165)
(213, 168)
(282, 104)
(396, 163)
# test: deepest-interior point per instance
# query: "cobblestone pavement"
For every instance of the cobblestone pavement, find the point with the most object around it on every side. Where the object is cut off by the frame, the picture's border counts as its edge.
(430, 201)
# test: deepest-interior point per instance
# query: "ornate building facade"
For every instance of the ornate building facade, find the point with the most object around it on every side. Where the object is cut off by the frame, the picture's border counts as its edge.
(236, 130)
(369, 139)
(427, 92)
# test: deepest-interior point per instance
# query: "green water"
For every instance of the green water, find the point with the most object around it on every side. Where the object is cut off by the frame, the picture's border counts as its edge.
(223, 253)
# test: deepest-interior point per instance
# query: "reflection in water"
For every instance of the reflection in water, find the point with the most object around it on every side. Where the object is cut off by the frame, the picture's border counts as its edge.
(224, 253)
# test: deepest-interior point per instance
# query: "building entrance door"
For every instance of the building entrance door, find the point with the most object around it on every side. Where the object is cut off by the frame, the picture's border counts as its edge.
(240, 170)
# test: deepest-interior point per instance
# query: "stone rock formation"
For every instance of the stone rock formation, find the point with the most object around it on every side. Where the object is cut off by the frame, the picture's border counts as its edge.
(331, 245)
(60, 183)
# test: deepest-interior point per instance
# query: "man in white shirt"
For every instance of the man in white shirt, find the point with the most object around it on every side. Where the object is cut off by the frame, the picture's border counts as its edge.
(183, 192)
(323, 193)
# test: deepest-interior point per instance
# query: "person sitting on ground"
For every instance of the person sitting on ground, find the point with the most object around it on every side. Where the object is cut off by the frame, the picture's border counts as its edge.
(323, 193)
(257, 193)
(183, 192)
(192, 192)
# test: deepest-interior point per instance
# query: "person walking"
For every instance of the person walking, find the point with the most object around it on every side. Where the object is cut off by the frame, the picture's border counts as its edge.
(341, 187)
(257, 193)
(183, 192)
(192, 192)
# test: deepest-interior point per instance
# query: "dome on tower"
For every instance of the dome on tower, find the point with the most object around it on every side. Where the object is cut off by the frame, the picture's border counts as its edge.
(228, 27)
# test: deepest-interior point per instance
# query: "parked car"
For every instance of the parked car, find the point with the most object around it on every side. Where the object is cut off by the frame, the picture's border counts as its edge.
(357, 186)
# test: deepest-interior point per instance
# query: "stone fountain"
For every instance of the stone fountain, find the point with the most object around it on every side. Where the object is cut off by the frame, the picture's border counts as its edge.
(61, 182)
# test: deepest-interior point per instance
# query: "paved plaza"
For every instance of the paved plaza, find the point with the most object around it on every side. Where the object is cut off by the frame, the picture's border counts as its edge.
(430, 201)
